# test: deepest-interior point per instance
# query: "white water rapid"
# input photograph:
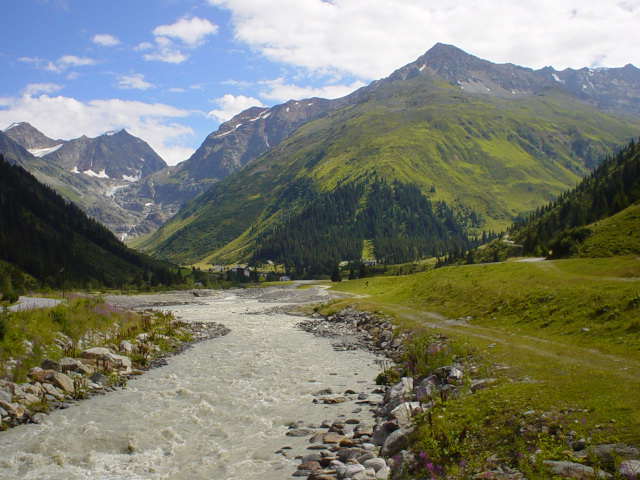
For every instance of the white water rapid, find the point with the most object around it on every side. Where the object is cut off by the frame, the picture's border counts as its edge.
(218, 411)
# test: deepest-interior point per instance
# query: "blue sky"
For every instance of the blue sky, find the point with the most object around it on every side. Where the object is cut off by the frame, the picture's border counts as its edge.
(170, 71)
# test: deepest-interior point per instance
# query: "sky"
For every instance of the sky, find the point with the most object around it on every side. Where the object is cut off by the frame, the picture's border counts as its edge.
(171, 71)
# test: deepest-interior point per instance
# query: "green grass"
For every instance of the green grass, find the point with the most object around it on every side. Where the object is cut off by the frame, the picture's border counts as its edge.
(617, 235)
(28, 337)
(561, 339)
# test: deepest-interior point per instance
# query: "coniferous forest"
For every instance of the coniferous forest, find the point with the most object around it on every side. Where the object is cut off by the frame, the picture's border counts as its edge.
(561, 225)
(45, 236)
(402, 224)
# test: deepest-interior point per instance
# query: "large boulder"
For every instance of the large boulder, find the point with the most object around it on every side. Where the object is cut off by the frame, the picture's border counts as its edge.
(405, 412)
(395, 442)
(121, 361)
(399, 393)
(15, 410)
(95, 352)
(573, 470)
(62, 381)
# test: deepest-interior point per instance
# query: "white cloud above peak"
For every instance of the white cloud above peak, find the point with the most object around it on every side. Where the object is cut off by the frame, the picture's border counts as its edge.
(231, 105)
(135, 81)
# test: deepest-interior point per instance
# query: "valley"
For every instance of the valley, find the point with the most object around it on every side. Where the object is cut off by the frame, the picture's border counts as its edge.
(475, 225)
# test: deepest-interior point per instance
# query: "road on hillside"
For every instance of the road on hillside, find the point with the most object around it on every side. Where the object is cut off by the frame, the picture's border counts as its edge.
(29, 303)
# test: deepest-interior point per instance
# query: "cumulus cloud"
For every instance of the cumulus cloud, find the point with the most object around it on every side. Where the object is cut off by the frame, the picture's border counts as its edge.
(65, 117)
(135, 81)
(371, 38)
(231, 105)
(280, 91)
(105, 40)
(190, 32)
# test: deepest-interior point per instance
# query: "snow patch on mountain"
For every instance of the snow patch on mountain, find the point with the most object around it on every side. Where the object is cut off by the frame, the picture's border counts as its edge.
(41, 152)
(14, 124)
(91, 173)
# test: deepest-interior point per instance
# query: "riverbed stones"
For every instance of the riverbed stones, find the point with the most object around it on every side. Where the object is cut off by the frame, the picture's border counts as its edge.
(573, 470)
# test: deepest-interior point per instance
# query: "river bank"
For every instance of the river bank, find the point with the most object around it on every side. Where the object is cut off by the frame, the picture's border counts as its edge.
(221, 409)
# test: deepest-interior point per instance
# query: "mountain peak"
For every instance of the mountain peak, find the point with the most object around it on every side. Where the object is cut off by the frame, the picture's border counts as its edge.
(29, 137)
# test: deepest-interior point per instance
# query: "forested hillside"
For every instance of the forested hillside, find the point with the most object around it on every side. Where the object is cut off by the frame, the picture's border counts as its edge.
(52, 240)
(400, 222)
(560, 226)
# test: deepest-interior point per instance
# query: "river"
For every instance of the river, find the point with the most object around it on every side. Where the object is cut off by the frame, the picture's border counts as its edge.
(220, 410)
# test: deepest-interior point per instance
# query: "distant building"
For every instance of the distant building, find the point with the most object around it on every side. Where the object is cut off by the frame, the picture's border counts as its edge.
(370, 263)
(284, 278)
(239, 271)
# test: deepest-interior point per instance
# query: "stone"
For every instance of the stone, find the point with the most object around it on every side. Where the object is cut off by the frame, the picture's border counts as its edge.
(51, 390)
(37, 418)
(300, 432)
(14, 410)
(35, 389)
(609, 453)
(125, 347)
(51, 365)
(395, 442)
(352, 470)
(121, 361)
(68, 364)
(5, 396)
(382, 431)
(426, 389)
(572, 470)
(332, 438)
(62, 381)
(629, 469)
(99, 378)
(375, 463)
(335, 399)
(384, 473)
(399, 393)
(29, 399)
(95, 352)
(311, 466)
(3, 413)
(366, 456)
(405, 412)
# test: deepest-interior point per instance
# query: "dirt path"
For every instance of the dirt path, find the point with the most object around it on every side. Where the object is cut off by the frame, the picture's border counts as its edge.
(549, 349)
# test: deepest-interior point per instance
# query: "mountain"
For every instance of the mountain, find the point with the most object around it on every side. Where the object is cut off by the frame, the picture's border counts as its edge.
(95, 173)
(116, 155)
(47, 237)
(486, 141)
(564, 224)
(613, 90)
(101, 197)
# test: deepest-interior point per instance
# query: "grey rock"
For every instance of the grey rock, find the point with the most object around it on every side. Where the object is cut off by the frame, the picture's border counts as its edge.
(629, 469)
(384, 473)
(95, 352)
(5, 396)
(99, 378)
(608, 453)
(375, 463)
(300, 432)
(573, 470)
(382, 431)
(396, 441)
(352, 470)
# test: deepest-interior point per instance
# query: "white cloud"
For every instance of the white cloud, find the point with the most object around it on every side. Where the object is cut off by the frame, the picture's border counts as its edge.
(105, 40)
(231, 105)
(135, 81)
(67, 61)
(280, 91)
(64, 117)
(191, 31)
(36, 88)
(371, 38)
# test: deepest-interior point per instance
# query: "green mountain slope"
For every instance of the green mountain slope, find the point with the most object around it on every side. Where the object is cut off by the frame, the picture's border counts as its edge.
(563, 225)
(48, 238)
(488, 155)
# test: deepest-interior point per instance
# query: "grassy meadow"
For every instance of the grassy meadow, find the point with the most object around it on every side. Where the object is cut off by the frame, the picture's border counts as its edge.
(561, 339)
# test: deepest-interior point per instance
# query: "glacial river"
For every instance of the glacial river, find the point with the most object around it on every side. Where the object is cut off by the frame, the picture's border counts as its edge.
(219, 411)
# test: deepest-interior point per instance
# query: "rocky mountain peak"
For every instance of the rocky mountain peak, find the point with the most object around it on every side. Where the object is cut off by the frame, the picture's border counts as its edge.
(29, 137)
